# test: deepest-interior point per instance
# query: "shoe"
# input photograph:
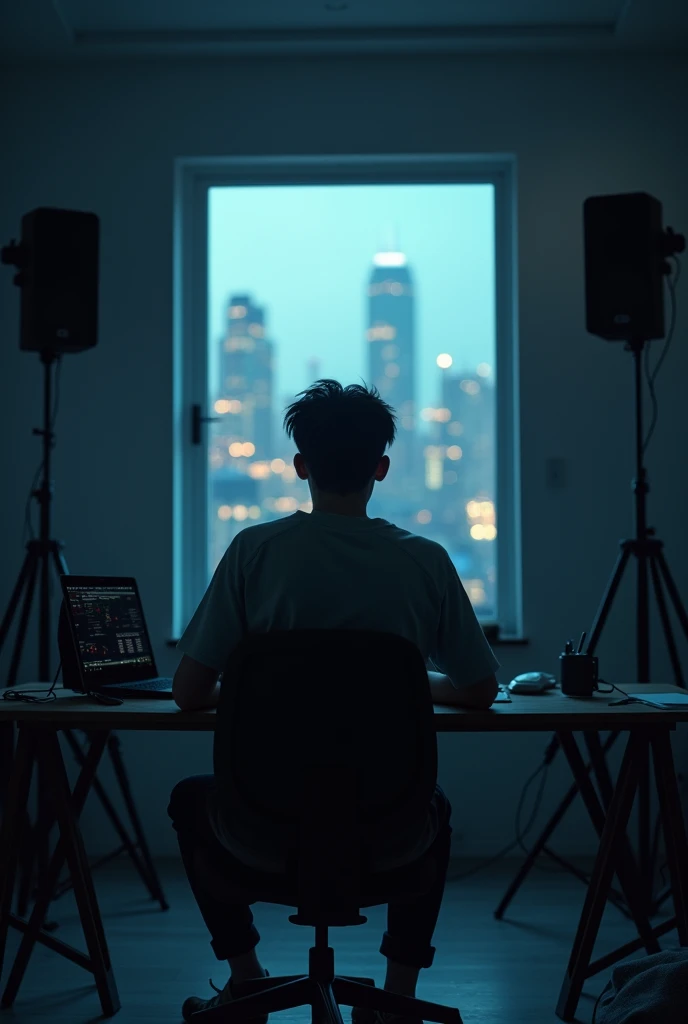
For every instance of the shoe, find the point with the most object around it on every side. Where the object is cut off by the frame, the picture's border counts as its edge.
(361, 1015)
(194, 1004)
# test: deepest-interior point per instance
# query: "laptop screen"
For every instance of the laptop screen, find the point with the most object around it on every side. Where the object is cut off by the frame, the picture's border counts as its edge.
(108, 629)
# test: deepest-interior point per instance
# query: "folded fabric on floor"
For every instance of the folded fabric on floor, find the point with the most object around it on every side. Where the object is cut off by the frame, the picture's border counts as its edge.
(652, 990)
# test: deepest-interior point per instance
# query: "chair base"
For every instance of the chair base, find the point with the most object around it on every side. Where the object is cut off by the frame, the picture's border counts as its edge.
(324, 992)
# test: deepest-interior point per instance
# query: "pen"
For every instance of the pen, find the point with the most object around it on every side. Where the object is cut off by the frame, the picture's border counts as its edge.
(582, 641)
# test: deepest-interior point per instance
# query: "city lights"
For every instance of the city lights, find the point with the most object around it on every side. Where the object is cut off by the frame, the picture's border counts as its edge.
(483, 369)
(254, 512)
(248, 449)
(259, 470)
(240, 512)
(222, 406)
(396, 288)
(237, 312)
(424, 516)
(224, 512)
(454, 452)
(278, 465)
(444, 361)
(471, 387)
(391, 370)
(480, 532)
(286, 504)
(438, 415)
(236, 449)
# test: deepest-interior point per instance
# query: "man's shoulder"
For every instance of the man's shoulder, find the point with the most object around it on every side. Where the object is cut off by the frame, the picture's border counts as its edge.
(249, 541)
(429, 552)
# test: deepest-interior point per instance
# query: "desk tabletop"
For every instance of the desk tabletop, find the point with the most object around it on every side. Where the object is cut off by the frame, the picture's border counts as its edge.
(546, 712)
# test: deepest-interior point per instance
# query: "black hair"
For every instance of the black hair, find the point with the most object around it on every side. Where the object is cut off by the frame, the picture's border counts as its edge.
(341, 432)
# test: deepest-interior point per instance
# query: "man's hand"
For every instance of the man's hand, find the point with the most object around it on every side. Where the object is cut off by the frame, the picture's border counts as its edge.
(479, 696)
(195, 686)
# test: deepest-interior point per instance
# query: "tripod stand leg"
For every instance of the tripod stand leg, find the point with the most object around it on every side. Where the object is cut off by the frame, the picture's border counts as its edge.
(154, 886)
(49, 880)
(23, 622)
(15, 802)
(673, 826)
(666, 624)
(13, 603)
(609, 594)
(673, 592)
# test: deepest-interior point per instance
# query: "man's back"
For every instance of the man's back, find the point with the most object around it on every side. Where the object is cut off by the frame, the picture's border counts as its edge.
(328, 571)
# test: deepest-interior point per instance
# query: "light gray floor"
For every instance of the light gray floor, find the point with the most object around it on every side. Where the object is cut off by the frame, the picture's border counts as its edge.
(505, 972)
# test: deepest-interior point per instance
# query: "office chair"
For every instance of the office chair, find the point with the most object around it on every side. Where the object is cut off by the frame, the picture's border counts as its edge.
(327, 736)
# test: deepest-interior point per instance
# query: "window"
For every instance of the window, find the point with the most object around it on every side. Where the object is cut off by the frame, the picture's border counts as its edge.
(395, 272)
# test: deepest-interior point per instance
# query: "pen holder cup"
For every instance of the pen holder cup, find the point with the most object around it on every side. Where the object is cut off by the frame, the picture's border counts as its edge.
(578, 674)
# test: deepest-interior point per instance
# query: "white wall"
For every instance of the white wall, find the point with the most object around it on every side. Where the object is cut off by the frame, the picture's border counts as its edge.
(103, 137)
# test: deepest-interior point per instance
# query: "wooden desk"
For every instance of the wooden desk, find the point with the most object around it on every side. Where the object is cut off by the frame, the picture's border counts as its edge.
(648, 730)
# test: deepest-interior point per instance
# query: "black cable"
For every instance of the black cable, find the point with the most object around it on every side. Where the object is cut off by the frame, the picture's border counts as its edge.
(520, 833)
(32, 696)
(651, 375)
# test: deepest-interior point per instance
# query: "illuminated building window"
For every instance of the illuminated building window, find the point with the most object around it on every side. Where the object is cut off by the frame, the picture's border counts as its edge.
(248, 449)
(222, 406)
(381, 332)
(389, 259)
(237, 312)
(476, 591)
(234, 405)
(236, 449)
(444, 361)
(240, 512)
(435, 415)
(455, 428)
(434, 472)
(277, 465)
(454, 452)
(392, 370)
(259, 470)
(224, 512)
(390, 352)
(396, 288)
(254, 512)
(484, 369)
(471, 387)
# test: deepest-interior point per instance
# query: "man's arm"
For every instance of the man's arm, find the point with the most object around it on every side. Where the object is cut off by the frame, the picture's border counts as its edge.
(478, 696)
(195, 686)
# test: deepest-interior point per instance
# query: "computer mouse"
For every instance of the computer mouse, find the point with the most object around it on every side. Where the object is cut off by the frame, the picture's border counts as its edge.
(532, 682)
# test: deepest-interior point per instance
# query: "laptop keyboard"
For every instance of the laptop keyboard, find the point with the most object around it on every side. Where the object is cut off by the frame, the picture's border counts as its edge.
(149, 684)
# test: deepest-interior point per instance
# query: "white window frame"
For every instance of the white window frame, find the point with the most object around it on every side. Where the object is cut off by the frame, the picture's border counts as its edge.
(193, 178)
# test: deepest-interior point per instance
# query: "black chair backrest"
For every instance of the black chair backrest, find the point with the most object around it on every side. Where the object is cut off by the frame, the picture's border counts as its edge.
(306, 709)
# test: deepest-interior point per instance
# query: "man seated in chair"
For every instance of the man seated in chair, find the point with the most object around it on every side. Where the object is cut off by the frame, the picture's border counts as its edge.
(334, 568)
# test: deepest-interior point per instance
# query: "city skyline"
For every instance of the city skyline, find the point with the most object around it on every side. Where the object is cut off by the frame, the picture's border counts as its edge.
(304, 253)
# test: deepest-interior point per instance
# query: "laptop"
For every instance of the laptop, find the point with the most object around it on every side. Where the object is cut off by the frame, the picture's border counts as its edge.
(103, 639)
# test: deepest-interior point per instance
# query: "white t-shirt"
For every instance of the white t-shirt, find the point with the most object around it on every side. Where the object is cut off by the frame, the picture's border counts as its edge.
(327, 571)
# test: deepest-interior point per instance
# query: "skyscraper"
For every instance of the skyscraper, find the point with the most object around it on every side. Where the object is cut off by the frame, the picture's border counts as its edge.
(246, 374)
(391, 347)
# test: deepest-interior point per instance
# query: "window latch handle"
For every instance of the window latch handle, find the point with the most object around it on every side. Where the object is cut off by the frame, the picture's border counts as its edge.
(196, 420)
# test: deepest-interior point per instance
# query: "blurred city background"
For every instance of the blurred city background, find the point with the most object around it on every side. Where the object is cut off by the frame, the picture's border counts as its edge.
(391, 285)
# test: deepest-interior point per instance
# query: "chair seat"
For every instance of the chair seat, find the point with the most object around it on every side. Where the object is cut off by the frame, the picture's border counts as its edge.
(234, 882)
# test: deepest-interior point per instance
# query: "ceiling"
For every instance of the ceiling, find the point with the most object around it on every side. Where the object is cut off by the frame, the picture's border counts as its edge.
(93, 29)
